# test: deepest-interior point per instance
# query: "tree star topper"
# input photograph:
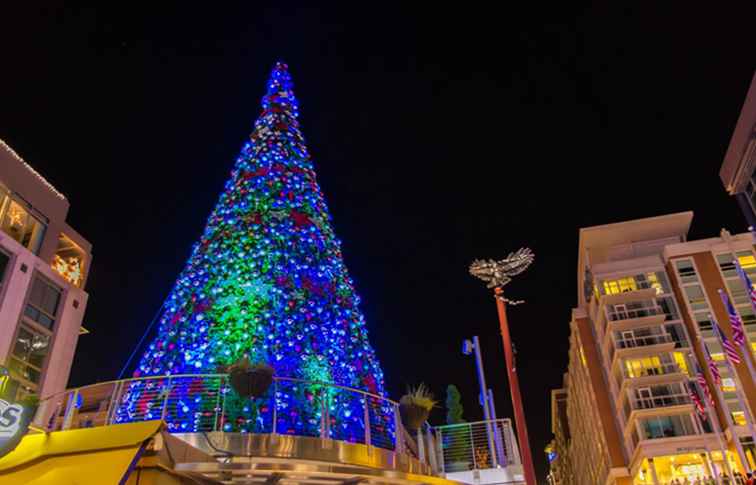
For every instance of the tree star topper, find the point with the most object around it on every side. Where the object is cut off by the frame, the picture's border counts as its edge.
(498, 273)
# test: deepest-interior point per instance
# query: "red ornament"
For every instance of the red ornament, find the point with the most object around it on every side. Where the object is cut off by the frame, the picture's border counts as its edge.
(300, 219)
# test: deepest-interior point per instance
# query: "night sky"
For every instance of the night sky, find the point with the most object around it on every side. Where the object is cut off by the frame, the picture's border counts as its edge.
(438, 136)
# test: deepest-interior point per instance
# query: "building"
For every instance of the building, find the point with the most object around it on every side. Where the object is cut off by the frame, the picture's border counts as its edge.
(644, 300)
(43, 270)
(737, 172)
(560, 471)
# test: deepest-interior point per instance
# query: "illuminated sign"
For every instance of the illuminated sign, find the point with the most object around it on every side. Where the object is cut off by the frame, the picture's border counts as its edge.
(14, 422)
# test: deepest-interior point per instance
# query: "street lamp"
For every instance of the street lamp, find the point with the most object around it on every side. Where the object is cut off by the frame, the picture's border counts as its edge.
(497, 274)
(467, 348)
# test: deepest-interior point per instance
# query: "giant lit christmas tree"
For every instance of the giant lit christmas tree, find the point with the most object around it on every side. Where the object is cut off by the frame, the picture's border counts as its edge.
(267, 281)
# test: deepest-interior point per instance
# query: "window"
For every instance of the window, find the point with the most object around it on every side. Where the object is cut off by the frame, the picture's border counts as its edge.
(4, 261)
(69, 261)
(613, 287)
(29, 352)
(686, 271)
(667, 427)
(696, 297)
(21, 225)
(42, 305)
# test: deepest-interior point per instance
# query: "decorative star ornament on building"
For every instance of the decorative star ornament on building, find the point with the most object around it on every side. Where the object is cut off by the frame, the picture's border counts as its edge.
(498, 273)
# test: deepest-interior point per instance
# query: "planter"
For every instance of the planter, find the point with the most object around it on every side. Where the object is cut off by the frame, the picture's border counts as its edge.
(413, 416)
(251, 382)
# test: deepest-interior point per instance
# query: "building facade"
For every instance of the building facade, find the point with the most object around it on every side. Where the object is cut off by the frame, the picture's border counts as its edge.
(557, 452)
(645, 306)
(737, 172)
(43, 270)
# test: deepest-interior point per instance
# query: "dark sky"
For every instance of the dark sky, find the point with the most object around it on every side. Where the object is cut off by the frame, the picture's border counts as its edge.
(439, 135)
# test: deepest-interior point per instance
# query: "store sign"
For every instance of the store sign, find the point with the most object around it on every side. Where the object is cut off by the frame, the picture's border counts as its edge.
(14, 422)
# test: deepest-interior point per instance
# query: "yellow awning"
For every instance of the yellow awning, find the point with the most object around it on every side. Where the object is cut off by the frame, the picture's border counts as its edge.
(89, 456)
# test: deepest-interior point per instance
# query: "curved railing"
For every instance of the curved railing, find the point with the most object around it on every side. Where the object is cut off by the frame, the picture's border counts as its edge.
(205, 403)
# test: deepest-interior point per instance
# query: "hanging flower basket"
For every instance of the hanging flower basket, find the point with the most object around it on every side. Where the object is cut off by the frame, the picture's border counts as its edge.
(250, 380)
(415, 407)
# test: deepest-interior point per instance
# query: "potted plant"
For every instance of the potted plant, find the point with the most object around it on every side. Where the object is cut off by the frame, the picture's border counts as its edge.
(248, 379)
(415, 406)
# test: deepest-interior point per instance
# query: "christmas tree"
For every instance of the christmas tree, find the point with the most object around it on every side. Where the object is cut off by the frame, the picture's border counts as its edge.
(267, 281)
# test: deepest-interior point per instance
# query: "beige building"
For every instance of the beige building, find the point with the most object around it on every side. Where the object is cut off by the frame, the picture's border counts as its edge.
(43, 270)
(557, 452)
(644, 300)
(739, 164)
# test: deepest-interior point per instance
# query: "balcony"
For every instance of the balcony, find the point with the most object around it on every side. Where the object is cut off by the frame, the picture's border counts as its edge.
(645, 371)
(629, 344)
(629, 311)
(639, 404)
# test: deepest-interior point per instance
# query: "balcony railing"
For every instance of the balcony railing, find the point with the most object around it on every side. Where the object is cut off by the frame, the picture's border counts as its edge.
(615, 314)
(206, 403)
(654, 402)
(476, 446)
(640, 370)
(643, 341)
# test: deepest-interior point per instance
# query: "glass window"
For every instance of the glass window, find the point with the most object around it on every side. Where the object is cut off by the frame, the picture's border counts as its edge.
(726, 265)
(69, 260)
(613, 287)
(686, 271)
(696, 297)
(22, 226)
(669, 308)
(4, 261)
(747, 261)
(29, 353)
(42, 305)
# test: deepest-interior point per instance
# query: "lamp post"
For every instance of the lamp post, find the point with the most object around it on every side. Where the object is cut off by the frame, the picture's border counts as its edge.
(467, 349)
(497, 274)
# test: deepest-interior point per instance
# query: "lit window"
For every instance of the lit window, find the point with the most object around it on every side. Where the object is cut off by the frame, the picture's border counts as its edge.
(21, 225)
(69, 261)
(747, 261)
(680, 361)
(582, 356)
(739, 418)
(614, 287)
(29, 353)
(728, 384)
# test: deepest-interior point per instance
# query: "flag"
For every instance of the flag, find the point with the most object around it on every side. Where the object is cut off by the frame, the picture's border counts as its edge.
(696, 400)
(703, 384)
(738, 333)
(729, 348)
(713, 368)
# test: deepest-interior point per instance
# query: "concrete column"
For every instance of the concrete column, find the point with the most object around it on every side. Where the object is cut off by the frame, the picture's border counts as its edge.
(652, 469)
(710, 468)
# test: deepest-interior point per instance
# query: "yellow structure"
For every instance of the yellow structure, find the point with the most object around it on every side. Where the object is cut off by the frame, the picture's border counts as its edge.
(637, 334)
(93, 456)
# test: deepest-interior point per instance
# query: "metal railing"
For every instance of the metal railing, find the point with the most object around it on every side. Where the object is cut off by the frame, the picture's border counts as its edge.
(645, 309)
(206, 403)
(653, 402)
(466, 446)
(643, 341)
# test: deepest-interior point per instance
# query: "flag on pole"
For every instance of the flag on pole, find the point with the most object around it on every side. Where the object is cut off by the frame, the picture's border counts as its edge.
(729, 348)
(696, 400)
(701, 378)
(713, 368)
(738, 332)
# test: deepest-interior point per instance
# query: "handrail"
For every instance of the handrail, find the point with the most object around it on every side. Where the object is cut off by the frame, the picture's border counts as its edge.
(206, 403)
(174, 376)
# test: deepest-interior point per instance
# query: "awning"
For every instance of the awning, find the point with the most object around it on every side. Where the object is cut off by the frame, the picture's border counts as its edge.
(89, 456)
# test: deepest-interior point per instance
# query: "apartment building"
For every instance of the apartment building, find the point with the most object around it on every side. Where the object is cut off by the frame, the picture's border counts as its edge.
(737, 172)
(645, 303)
(43, 271)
